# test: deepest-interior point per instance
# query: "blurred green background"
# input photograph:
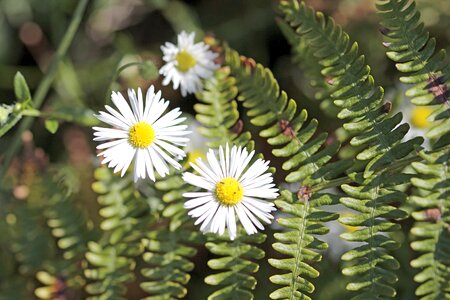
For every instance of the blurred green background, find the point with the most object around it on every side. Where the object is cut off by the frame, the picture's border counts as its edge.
(117, 32)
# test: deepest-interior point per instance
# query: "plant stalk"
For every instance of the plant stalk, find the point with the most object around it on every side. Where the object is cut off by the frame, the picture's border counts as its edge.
(46, 83)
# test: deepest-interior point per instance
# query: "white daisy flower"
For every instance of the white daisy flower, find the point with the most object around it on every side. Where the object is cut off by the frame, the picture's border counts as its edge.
(142, 133)
(187, 63)
(232, 187)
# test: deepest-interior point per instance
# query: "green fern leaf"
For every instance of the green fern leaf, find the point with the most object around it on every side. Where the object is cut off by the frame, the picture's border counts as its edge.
(219, 117)
(379, 136)
(218, 111)
(305, 158)
(126, 219)
(410, 46)
(235, 259)
(354, 90)
(300, 244)
(431, 229)
(169, 246)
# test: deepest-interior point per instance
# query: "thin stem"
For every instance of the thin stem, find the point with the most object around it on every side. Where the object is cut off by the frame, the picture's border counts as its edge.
(46, 83)
(58, 116)
(399, 164)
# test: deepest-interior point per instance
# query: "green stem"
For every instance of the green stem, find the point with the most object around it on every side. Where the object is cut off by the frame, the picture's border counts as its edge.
(399, 164)
(57, 116)
(46, 83)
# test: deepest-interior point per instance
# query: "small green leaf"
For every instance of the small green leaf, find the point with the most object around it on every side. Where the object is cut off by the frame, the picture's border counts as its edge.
(51, 125)
(21, 89)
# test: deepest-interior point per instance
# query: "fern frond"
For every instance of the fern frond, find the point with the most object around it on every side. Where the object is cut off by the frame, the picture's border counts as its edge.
(432, 226)
(168, 258)
(236, 259)
(303, 56)
(68, 223)
(32, 242)
(306, 222)
(170, 245)
(370, 264)
(410, 46)
(218, 111)
(71, 230)
(219, 117)
(374, 194)
(126, 219)
(285, 127)
(354, 91)
(305, 157)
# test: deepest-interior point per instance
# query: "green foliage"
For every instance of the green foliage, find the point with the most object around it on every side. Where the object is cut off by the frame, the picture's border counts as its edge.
(305, 158)
(371, 264)
(11, 114)
(366, 117)
(299, 243)
(354, 90)
(51, 125)
(145, 237)
(303, 56)
(126, 219)
(410, 46)
(218, 112)
(21, 89)
(432, 227)
(235, 259)
(70, 228)
(219, 117)
(169, 264)
(284, 127)
(167, 249)
(30, 239)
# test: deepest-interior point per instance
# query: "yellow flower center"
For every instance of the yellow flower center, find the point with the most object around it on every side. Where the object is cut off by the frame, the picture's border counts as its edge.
(419, 116)
(229, 191)
(185, 61)
(141, 135)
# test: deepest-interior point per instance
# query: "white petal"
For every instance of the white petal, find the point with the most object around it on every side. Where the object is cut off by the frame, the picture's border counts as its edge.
(111, 144)
(197, 201)
(245, 159)
(120, 102)
(160, 165)
(245, 221)
(166, 157)
(231, 223)
(149, 166)
(212, 160)
(208, 217)
(265, 217)
(252, 218)
(198, 181)
(196, 194)
(222, 162)
(170, 148)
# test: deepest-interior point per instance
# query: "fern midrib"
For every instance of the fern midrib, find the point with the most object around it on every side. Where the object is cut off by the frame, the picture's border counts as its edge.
(409, 38)
(220, 116)
(372, 257)
(380, 136)
(236, 255)
(443, 209)
(299, 257)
